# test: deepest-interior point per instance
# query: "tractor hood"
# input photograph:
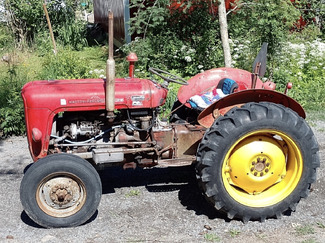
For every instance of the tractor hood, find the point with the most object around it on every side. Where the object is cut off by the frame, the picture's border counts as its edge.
(89, 94)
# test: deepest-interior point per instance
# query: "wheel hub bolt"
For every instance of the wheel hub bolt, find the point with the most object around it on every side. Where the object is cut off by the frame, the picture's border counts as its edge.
(260, 166)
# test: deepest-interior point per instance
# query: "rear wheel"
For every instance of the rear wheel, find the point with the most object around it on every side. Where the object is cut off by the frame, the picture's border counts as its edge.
(60, 190)
(257, 161)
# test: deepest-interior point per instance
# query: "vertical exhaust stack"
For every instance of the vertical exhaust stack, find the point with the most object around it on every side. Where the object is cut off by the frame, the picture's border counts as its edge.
(110, 70)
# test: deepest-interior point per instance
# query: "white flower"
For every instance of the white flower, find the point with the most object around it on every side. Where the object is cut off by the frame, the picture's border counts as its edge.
(236, 56)
(183, 48)
(200, 66)
(190, 51)
(102, 76)
(188, 58)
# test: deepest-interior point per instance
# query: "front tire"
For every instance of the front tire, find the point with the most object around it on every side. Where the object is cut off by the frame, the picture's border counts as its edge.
(257, 161)
(60, 190)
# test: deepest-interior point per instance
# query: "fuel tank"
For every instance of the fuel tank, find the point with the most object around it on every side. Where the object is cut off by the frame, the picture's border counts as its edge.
(89, 94)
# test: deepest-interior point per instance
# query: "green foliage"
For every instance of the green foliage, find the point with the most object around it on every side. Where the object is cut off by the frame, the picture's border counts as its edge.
(312, 12)
(303, 65)
(187, 41)
(65, 65)
(28, 20)
(305, 230)
(73, 34)
(148, 17)
(6, 37)
(11, 105)
(212, 237)
(133, 193)
(234, 232)
(320, 225)
(263, 21)
(26, 17)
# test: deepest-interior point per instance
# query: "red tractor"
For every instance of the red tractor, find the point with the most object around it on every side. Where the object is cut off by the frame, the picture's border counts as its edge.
(254, 154)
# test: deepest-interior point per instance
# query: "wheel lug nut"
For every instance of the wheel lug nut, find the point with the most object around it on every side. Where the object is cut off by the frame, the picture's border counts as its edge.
(266, 170)
(255, 174)
(261, 174)
(267, 164)
(252, 169)
(253, 163)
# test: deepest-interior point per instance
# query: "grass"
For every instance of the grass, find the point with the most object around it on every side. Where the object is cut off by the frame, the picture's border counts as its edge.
(234, 233)
(133, 193)
(315, 115)
(320, 225)
(305, 230)
(311, 240)
(212, 237)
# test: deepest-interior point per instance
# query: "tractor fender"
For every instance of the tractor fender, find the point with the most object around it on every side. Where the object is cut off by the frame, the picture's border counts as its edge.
(222, 106)
(206, 81)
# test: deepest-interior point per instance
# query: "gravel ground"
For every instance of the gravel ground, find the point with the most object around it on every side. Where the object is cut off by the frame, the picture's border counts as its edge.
(155, 205)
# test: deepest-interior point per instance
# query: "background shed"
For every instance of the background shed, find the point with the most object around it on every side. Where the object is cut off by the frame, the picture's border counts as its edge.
(121, 12)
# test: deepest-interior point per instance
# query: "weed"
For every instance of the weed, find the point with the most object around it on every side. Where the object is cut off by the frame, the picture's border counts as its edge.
(212, 237)
(133, 193)
(320, 225)
(234, 232)
(305, 230)
(311, 240)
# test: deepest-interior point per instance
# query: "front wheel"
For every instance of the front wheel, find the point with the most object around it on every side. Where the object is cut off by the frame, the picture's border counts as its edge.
(60, 190)
(257, 161)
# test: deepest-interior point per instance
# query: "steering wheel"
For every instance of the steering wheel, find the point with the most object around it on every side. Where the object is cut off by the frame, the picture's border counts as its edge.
(168, 77)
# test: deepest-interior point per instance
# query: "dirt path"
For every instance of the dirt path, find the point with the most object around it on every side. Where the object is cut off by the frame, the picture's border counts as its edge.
(155, 205)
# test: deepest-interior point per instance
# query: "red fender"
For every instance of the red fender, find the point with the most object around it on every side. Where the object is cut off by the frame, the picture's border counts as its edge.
(222, 106)
(206, 81)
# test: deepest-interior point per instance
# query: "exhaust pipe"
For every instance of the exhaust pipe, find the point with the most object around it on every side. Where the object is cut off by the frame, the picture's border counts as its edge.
(110, 70)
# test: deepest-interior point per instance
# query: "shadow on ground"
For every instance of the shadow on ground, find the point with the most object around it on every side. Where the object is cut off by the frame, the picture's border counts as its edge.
(156, 180)
(181, 179)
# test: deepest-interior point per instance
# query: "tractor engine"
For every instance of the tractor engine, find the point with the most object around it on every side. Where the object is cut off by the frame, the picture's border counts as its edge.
(137, 137)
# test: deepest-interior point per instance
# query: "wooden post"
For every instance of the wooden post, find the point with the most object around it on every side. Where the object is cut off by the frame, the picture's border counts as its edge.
(224, 32)
(50, 27)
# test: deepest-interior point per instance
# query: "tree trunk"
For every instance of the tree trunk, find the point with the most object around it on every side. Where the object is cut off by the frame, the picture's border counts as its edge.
(224, 32)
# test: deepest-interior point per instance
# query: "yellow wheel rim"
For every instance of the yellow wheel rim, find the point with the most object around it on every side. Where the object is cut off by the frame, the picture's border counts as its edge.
(262, 168)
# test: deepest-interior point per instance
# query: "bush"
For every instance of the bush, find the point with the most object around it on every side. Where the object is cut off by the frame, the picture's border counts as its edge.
(263, 21)
(11, 104)
(303, 65)
(6, 37)
(64, 65)
(187, 40)
(27, 20)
